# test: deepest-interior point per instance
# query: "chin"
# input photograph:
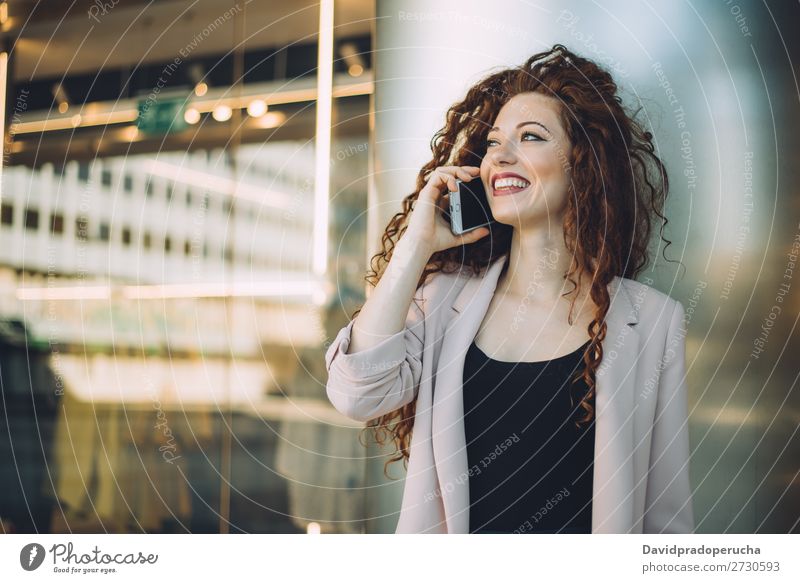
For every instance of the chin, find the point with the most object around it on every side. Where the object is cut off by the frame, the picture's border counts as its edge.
(507, 211)
(512, 219)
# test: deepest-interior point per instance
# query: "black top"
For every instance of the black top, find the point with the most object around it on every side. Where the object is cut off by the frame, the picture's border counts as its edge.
(530, 468)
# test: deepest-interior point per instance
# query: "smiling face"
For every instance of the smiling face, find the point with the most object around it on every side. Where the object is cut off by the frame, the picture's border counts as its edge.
(526, 166)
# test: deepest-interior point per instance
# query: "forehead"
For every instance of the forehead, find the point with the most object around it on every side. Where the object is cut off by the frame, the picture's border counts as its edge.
(530, 106)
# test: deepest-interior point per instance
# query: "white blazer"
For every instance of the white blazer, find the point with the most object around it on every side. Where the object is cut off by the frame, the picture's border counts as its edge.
(641, 470)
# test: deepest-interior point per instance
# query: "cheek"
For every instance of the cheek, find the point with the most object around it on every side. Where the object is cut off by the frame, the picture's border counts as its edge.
(546, 166)
(484, 176)
(552, 177)
(484, 170)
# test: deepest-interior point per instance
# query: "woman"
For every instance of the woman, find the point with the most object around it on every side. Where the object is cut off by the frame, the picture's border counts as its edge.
(544, 386)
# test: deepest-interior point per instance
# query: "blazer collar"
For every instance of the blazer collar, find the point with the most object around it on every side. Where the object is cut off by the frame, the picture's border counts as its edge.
(622, 309)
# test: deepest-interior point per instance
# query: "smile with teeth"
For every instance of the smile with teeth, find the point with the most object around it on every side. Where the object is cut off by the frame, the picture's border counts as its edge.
(510, 185)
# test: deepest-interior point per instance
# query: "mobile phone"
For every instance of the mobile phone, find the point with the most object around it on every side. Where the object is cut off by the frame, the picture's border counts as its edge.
(469, 207)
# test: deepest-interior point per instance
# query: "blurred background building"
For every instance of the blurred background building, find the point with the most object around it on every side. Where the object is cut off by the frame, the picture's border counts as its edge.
(165, 265)
(190, 194)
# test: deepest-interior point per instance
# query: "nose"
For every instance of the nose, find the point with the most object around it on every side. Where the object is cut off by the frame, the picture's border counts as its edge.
(502, 153)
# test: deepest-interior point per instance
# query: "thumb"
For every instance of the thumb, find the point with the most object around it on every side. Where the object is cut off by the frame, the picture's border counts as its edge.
(473, 236)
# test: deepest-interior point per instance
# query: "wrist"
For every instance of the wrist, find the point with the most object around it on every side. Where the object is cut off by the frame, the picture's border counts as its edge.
(411, 247)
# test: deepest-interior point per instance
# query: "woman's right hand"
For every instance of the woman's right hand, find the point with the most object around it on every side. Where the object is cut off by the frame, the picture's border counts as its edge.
(426, 224)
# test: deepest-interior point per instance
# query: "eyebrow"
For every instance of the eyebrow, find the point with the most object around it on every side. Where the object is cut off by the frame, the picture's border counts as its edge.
(519, 125)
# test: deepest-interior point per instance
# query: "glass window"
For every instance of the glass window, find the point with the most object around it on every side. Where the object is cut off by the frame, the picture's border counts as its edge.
(104, 232)
(57, 223)
(7, 213)
(31, 219)
(136, 458)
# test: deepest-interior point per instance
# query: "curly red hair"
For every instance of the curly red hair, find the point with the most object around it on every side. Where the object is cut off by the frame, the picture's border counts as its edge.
(619, 187)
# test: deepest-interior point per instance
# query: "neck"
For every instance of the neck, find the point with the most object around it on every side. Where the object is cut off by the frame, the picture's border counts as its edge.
(537, 264)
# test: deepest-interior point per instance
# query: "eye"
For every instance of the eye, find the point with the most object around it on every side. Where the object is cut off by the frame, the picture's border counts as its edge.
(537, 137)
(525, 135)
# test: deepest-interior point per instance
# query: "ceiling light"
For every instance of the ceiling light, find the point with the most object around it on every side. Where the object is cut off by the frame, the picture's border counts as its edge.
(61, 97)
(352, 59)
(130, 133)
(271, 119)
(257, 108)
(222, 113)
(191, 116)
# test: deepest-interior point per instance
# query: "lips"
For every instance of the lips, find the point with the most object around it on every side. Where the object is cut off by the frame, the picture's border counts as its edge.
(508, 183)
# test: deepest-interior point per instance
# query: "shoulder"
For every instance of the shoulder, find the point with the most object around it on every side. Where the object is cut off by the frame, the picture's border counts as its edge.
(643, 295)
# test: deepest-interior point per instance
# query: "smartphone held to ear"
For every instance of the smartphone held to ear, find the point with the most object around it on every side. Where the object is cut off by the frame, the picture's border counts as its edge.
(469, 207)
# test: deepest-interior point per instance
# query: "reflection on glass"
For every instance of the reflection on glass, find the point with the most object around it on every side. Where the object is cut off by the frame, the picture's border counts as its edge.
(157, 302)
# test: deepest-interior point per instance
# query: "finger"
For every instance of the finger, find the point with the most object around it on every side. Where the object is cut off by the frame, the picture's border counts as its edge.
(473, 236)
(436, 184)
(464, 175)
(446, 169)
(435, 173)
(444, 204)
(438, 176)
(452, 184)
(461, 172)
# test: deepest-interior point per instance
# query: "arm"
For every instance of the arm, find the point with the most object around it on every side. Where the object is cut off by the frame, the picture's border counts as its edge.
(668, 501)
(375, 362)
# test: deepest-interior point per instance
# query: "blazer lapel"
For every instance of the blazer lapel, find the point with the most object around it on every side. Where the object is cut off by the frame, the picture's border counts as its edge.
(449, 441)
(612, 508)
(613, 478)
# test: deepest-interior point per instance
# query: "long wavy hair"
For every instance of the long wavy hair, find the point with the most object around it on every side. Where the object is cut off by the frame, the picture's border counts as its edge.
(618, 188)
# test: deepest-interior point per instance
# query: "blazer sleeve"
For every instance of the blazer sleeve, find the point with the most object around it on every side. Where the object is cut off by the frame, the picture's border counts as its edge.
(668, 501)
(378, 380)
